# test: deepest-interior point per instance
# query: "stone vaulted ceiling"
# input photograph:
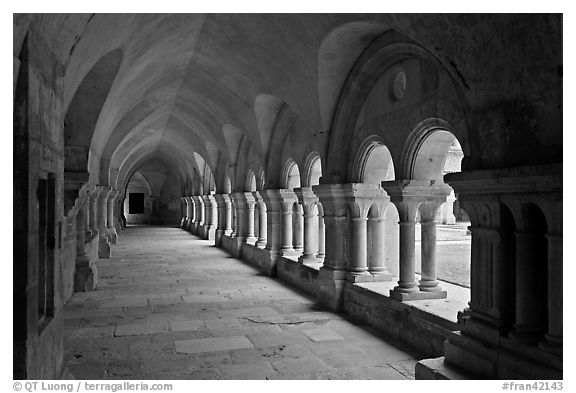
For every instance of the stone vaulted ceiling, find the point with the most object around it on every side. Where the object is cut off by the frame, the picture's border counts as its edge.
(207, 84)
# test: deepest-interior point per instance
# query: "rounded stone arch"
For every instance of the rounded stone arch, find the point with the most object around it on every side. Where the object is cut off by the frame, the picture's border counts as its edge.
(426, 149)
(250, 183)
(227, 185)
(290, 175)
(381, 55)
(312, 169)
(80, 120)
(372, 162)
(260, 179)
(336, 56)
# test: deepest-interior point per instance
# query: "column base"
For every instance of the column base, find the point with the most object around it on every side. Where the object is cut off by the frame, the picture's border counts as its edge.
(416, 295)
(304, 259)
(429, 286)
(85, 275)
(251, 240)
(366, 277)
(104, 248)
(261, 243)
(288, 252)
(552, 345)
(112, 235)
(506, 361)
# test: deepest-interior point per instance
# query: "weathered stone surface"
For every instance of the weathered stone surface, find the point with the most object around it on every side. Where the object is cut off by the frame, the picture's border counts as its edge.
(210, 340)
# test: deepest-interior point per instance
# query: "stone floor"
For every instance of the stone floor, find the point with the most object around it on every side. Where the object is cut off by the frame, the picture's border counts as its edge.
(172, 306)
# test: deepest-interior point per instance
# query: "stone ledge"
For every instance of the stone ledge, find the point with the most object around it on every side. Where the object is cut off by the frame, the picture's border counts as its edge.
(436, 369)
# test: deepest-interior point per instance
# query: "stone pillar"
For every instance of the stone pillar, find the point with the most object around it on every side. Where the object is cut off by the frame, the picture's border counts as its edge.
(111, 204)
(484, 347)
(297, 228)
(528, 326)
(277, 202)
(199, 214)
(554, 336)
(377, 248)
(332, 274)
(102, 210)
(224, 217)
(407, 283)
(183, 212)
(250, 203)
(85, 272)
(407, 195)
(211, 217)
(263, 221)
(359, 256)
(119, 216)
(428, 281)
(321, 233)
(310, 235)
(241, 220)
(92, 213)
(287, 244)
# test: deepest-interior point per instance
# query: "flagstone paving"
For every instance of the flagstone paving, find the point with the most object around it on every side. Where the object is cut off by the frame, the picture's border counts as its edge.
(172, 306)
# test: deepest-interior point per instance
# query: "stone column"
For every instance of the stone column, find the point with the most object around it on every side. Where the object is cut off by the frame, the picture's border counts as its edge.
(85, 273)
(407, 284)
(212, 216)
(332, 275)
(241, 220)
(119, 216)
(183, 212)
(529, 325)
(407, 195)
(359, 256)
(277, 202)
(111, 204)
(287, 245)
(224, 217)
(263, 221)
(297, 228)
(199, 217)
(308, 200)
(250, 203)
(377, 248)
(321, 234)
(92, 213)
(554, 336)
(102, 210)
(428, 281)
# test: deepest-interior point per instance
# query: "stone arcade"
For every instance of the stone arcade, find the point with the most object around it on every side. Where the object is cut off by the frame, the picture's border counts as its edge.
(323, 149)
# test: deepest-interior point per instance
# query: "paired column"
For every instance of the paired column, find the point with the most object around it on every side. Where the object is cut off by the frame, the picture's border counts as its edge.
(211, 220)
(224, 217)
(408, 196)
(263, 221)
(278, 205)
(309, 201)
(377, 246)
(428, 281)
(250, 203)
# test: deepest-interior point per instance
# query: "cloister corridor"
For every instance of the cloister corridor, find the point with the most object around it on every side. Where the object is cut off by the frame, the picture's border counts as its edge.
(172, 306)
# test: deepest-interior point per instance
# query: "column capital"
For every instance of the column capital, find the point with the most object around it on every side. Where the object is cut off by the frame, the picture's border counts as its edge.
(279, 199)
(359, 197)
